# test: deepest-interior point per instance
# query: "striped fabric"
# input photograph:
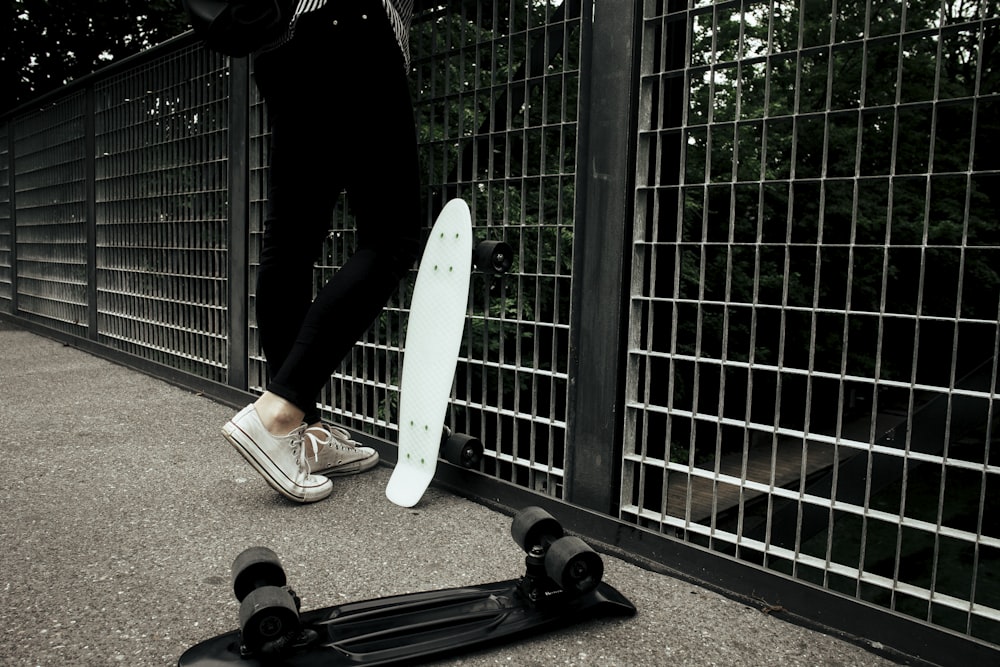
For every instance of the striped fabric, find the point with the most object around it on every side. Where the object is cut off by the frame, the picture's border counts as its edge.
(400, 13)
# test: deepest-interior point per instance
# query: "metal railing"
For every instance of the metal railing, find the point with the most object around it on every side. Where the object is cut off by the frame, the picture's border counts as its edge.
(814, 305)
(751, 329)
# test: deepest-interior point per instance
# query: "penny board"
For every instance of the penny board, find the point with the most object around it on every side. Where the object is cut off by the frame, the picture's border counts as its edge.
(430, 353)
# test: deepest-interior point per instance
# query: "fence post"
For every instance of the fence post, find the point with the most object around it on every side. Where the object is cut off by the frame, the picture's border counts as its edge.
(605, 173)
(90, 189)
(239, 173)
(12, 196)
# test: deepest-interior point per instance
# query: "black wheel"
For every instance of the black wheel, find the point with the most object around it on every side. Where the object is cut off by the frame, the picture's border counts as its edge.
(533, 527)
(266, 615)
(462, 450)
(254, 568)
(573, 565)
(493, 257)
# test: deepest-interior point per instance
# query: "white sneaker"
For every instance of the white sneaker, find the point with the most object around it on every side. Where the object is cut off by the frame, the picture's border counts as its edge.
(280, 460)
(330, 451)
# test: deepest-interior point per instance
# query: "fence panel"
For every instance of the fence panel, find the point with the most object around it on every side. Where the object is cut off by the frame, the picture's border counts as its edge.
(51, 220)
(812, 366)
(162, 211)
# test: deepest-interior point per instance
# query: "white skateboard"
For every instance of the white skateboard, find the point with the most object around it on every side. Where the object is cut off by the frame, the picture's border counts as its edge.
(430, 355)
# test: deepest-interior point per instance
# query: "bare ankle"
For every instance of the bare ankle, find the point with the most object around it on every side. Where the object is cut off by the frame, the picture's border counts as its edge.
(277, 414)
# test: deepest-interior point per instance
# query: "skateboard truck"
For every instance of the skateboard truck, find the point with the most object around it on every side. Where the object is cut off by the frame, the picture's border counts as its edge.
(461, 449)
(557, 566)
(269, 609)
(493, 257)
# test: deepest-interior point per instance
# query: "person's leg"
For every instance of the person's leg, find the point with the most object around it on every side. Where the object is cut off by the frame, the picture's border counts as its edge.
(302, 190)
(378, 147)
(354, 118)
(269, 434)
(301, 198)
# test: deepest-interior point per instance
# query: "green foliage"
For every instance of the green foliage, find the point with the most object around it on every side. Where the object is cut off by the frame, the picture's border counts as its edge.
(44, 44)
(829, 163)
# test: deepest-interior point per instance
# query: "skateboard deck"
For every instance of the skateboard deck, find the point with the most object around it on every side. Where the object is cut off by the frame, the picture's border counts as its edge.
(430, 353)
(561, 586)
(419, 626)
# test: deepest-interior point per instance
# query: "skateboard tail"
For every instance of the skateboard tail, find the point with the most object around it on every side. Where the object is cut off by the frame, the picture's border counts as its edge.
(409, 484)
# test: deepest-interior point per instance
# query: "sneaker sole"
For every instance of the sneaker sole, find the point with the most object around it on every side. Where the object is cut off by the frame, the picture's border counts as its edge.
(230, 430)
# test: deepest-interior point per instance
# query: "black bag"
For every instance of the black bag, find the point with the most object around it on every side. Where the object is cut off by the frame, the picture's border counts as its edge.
(239, 27)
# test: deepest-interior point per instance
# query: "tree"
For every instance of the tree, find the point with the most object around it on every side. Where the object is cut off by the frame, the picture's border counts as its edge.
(816, 190)
(45, 44)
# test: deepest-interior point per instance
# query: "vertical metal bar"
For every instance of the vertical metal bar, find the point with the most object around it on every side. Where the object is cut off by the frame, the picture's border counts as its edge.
(936, 553)
(605, 171)
(12, 185)
(90, 194)
(984, 477)
(238, 223)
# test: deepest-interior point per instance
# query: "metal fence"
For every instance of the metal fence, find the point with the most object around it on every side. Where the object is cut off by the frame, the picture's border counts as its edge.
(813, 315)
(753, 313)
(161, 179)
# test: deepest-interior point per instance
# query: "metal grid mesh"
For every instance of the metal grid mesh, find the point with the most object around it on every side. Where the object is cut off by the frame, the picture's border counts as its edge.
(258, 160)
(50, 164)
(161, 201)
(6, 237)
(497, 108)
(813, 328)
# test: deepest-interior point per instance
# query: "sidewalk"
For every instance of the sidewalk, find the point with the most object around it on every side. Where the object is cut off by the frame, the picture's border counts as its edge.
(122, 508)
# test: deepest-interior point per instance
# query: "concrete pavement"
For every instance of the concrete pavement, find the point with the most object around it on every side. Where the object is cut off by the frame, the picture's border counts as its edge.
(122, 508)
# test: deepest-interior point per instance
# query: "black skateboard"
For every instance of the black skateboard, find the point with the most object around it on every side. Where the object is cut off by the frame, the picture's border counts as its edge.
(561, 586)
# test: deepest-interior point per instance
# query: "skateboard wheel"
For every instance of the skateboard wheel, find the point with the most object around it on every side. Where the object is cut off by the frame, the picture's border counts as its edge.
(533, 526)
(256, 567)
(573, 565)
(462, 450)
(493, 257)
(267, 615)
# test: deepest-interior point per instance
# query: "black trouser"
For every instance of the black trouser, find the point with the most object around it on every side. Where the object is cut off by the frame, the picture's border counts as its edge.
(341, 118)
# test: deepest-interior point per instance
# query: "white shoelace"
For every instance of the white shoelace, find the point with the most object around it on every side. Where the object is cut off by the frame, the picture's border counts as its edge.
(298, 450)
(336, 437)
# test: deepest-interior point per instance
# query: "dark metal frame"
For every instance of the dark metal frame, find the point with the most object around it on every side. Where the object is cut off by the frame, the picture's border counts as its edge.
(604, 185)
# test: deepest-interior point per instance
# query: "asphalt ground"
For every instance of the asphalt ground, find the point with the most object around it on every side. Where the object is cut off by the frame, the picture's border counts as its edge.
(122, 509)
